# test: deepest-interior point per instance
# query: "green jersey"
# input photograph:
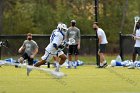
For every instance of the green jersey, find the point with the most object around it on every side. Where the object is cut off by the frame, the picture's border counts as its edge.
(73, 32)
(30, 46)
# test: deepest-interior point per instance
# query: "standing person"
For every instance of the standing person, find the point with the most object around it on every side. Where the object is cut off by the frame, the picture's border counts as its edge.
(102, 44)
(30, 49)
(57, 37)
(136, 46)
(74, 33)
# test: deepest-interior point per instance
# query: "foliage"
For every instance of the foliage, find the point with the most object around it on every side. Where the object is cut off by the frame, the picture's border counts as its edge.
(42, 16)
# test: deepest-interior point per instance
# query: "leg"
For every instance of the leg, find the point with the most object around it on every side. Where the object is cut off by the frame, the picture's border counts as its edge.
(134, 57)
(56, 60)
(103, 62)
(135, 52)
(23, 57)
(76, 52)
(102, 58)
(46, 57)
(30, 61)
(70, 52)
(63, 58)
(76, 57)
(38, 64)
(70, 57)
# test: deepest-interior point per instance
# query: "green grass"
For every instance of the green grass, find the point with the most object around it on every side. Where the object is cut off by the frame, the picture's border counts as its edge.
(86, 59)
(84, 79)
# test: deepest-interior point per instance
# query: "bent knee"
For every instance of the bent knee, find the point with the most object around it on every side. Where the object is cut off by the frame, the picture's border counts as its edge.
(63, 57)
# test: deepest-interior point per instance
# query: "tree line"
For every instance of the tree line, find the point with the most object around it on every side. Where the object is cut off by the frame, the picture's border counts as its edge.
(42, 16)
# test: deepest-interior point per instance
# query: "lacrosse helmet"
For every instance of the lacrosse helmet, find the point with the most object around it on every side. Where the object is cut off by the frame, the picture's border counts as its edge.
(62, 26)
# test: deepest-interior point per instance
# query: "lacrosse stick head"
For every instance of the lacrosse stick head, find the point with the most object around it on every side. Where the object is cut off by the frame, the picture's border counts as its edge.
(71, 41)
(136, 18)
(4, 43)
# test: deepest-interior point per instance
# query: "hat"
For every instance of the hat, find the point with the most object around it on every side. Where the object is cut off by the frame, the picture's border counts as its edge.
(73, 21)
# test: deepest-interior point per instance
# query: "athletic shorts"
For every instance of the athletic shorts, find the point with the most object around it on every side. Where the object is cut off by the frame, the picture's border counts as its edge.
(30, 60)
(136, 50)
(102, 48)
(48, 56)
(73, 49)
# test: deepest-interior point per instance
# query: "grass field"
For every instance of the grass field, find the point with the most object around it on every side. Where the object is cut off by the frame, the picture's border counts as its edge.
(84, 79)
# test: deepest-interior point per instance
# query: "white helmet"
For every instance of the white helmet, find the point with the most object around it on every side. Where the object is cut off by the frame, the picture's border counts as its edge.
(62, 26)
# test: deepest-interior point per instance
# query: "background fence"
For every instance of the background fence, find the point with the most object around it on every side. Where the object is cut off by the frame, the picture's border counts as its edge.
(88, 44)
(126, 46)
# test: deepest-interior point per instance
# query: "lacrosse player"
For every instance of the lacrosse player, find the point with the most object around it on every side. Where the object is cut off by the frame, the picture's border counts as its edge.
(102, 44)
(55, 58)
(30, 49)
(56, 39)
(137, 44)
(74, 33)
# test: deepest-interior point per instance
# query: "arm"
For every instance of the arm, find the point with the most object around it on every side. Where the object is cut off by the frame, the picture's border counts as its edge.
(66, 36)
(136, 37)
(22, 48)
(57, 41)
(34, 53)
(100, 39)
(35, 50)
(79, 39)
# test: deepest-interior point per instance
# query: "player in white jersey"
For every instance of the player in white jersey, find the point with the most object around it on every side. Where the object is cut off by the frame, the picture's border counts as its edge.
(56, 39)
(102, 44)
(55, 58)
(137, 44)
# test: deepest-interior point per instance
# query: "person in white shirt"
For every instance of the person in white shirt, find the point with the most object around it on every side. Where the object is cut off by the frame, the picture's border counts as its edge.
(56, 39)
(137, 45)
(102, 44)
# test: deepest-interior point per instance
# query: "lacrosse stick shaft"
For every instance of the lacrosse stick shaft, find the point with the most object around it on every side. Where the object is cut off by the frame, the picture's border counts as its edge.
(45, 70)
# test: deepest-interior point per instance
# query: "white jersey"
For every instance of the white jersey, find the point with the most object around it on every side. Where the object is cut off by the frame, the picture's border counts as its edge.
(101, 33)
(137, 43)
(56, 37)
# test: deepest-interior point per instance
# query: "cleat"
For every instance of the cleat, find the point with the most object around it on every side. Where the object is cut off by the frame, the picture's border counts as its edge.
(104, 65)
(99, 66)
(68, 67)
(57, 69)
(28, 71)
(75, 64)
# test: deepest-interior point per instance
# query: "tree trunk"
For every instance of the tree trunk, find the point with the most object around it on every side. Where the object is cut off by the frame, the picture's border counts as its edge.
(1, 15)
(104, 8)
(1, 20)
(124, 15)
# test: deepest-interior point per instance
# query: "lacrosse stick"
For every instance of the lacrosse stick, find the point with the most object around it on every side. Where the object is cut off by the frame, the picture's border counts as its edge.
(45, 70)
(136, 18)
(65, 44)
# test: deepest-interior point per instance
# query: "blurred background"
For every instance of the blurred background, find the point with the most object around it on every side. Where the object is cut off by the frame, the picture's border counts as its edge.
(41, 17)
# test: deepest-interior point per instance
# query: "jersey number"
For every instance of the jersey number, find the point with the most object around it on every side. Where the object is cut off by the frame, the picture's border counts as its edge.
(52, 37)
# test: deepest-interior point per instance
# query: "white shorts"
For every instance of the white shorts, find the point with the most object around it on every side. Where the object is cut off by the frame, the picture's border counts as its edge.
(48, 56)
